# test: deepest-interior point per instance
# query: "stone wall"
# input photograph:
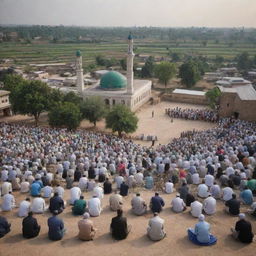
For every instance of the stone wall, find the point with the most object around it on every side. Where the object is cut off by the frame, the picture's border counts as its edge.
(185, 98)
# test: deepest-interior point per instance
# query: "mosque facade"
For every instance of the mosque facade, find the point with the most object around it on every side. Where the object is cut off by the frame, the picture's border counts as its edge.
(113, 87)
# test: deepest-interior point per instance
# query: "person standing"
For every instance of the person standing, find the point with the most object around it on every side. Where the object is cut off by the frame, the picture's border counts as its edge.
(155, 230)
(56, 227)
(30, 227)
(119, 228)
(86, 228)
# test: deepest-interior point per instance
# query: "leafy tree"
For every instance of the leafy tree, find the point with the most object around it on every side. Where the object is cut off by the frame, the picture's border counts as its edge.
(100, 61)
(93, 109)
(243, 61)
(189, 73)
(65, 115)
(213, 96)
(33, 98)
(121, 119)
(175, 56)
(148, 69)
(123, 64)
(165, 71)
(56, 98)
(73, 98)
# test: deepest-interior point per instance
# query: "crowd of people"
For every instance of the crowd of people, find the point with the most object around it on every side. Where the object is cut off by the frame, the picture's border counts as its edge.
(43, 164)
(193, 114)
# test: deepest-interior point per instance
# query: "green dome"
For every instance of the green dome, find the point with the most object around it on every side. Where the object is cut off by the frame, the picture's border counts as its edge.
(113, 81)
(78, 53)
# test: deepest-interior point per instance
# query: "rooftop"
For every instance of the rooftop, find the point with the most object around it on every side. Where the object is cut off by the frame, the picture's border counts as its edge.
(3, 92)
(246, 92)
(188, 92)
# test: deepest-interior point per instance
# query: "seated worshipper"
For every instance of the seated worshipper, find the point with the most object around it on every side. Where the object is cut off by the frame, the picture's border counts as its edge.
(183, 191)
(94, 206)
(243, 230)
(6, 188)
(46, 191)
(168, 187)
(35, 188)
(119, 180)
(201, 235)
(107, 186)
(233, 205)
(24, 186)
(227, 193)
(56, 203)
(156, 203)
(209, 180)
(5, 227)
(131, 182)
(119, 228)
(115, 202)
(251, 184)
(56, 227)
(79, 206)
(202, 190)
(69, 182)
(139, 206)
(209, 205)
(75, 194)
(83, 183)
(246, 196)
(86, 228)
(90, 185)
(149, 182)
(178, 204)
(30, 227)
(16, 183)
(124, 189)
(215, 191)
(98, 191)
(24, 208)
(155, 230)
(38, 205)
(196, 209)
(189, 199)
(8, 202)
(60, 190)
(195, 178)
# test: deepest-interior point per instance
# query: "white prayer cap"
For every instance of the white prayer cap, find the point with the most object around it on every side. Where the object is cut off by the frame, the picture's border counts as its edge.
(241, 216)
(86, 215)
(201, 217)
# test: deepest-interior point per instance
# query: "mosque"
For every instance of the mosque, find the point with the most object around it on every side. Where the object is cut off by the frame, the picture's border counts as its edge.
(113, 87)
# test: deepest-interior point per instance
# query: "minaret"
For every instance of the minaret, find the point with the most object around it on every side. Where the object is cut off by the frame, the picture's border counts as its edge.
(79, 72)
(130, 56)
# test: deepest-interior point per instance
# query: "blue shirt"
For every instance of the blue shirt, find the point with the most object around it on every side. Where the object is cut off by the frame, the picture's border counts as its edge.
(56, 228)
(35, 189)
(247, 196)
(202, 231)
(156, 204)
(149, 183)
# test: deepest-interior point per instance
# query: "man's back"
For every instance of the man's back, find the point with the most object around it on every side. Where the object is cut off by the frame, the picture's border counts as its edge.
(85, 229)
(119, 227)
(202, 231)
(244, 228)
(56, 226)
(138, 205)
(156, 228)
(156, 203)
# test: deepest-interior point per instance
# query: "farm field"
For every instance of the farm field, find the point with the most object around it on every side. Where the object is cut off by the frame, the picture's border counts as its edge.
(44, 52)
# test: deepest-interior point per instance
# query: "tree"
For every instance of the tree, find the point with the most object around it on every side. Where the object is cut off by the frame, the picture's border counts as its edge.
(175, 56)
(189, 73)
(93, 109)
(123, 64)
(121, 119)
(73, 98)
(148, 68)
(65, 115)
(165, 71)
(213, 96)
(56, 98)
(243, 61)
(33, 98)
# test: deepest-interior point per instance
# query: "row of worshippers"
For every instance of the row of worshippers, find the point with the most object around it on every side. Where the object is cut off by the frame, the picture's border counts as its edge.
(120, 229)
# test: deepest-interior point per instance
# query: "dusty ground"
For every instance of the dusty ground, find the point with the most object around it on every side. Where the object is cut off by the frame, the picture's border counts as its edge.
(137, 243)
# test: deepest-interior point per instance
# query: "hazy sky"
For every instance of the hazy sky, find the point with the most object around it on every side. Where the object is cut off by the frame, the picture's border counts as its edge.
(171, 13)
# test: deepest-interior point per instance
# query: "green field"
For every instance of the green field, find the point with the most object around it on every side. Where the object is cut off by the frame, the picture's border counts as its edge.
(43, 52)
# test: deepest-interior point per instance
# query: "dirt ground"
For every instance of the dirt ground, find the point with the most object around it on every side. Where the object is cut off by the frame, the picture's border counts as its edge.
(176, 243)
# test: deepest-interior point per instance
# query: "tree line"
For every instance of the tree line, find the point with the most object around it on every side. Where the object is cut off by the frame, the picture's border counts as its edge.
(33, 97)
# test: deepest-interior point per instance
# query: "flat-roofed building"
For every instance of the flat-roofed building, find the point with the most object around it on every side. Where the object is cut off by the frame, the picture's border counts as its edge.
(5, 106)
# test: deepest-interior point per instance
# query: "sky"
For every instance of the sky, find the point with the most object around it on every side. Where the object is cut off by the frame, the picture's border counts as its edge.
(163, 13)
